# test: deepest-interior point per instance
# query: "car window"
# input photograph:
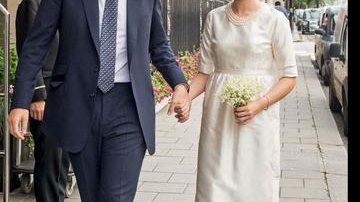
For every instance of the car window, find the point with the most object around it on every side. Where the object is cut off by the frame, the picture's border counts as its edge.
(335, 12)
(312, 14)
(301, 12)
(323, 18)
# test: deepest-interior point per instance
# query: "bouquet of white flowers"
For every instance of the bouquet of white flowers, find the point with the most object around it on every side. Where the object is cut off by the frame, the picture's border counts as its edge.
(240, 91)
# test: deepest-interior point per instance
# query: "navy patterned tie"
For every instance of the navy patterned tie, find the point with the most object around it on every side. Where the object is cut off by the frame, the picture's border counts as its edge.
(108, 46)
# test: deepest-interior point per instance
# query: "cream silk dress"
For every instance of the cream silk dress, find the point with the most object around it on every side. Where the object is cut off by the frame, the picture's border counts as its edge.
(241, 163)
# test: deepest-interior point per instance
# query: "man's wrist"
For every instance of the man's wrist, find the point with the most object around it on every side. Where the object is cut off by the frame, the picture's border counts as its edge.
(37, 101)
(183, 85)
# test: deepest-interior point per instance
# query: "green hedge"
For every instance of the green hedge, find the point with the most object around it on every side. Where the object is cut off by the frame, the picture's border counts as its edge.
(12, 66)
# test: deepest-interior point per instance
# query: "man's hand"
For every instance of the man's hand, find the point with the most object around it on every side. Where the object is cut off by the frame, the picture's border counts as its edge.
(18, 120)
(180, 104)
(37, 110)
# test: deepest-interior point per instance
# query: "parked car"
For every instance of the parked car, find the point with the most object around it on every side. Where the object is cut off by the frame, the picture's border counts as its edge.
(338, 89)
(298, 18)
(310, 20)
(324, 36)
(322, 11)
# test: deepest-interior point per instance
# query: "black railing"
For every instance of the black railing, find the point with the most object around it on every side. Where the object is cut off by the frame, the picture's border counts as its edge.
(183, 20)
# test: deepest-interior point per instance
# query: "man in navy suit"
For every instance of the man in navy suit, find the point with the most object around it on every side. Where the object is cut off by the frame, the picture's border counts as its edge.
(51, 163)
(100, 105)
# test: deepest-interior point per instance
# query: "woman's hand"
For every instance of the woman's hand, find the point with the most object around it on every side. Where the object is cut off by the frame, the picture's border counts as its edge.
(243, 115)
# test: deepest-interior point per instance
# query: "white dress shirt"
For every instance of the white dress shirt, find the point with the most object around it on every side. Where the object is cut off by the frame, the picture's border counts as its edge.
(121, 63)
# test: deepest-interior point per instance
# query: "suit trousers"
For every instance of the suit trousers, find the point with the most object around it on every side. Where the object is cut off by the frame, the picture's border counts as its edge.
(108, 168)
(51, 167)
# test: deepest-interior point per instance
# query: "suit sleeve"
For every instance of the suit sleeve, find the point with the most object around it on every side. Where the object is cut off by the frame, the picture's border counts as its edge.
(40, 89)
(161, 54)
(34, 51)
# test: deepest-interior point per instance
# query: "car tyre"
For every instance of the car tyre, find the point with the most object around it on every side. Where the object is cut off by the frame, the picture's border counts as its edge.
(334, 103)
(325, 77)
(345, 114)
(320, 68)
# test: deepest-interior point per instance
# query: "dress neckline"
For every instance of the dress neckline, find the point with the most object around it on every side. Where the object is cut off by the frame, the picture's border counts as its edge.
(240, 21)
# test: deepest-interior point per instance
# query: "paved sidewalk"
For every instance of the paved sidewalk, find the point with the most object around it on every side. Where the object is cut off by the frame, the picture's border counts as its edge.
(313, 161)
(313, 158)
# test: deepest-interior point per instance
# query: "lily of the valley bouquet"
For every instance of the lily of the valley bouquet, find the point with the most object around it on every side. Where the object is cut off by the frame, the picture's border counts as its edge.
(240, 91)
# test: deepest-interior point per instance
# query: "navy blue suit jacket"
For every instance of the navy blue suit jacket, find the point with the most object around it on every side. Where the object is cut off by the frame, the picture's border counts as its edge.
(70, 100)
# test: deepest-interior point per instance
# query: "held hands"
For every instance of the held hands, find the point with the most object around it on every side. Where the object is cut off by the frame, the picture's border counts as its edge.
(244, 115)
(180, 104)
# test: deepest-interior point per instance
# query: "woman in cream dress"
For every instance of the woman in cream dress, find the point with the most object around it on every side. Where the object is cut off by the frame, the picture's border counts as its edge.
(239, 149)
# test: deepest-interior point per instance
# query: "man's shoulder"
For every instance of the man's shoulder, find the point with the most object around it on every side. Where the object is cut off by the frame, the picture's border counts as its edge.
(29, 4)
(281, 9)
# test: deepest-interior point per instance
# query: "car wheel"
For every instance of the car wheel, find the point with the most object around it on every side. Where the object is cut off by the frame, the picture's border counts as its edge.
(325, 76)
(315, 60)
(315, 64)
(322, 62)
(345, 114)
(334, 103)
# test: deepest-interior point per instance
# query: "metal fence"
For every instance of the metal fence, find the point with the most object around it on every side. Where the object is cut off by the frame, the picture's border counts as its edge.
(208, 5)
(183, 20)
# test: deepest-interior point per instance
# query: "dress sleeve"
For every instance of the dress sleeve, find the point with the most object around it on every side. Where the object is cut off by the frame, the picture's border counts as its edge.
(206, 51)
(283, 48)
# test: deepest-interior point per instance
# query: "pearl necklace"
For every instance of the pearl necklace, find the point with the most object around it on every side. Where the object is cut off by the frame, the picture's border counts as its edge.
(240, 20)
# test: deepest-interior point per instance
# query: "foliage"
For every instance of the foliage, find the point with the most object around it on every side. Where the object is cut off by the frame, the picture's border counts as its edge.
(29, 143)
(311, 3)
(12, 66)
(188, 61)
(2, 116)
(161, 89)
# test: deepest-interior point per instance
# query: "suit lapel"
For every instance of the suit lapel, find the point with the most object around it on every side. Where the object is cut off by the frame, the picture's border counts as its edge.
(92, 15)
(133, 24)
